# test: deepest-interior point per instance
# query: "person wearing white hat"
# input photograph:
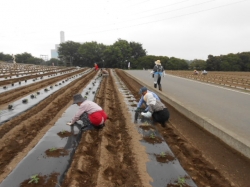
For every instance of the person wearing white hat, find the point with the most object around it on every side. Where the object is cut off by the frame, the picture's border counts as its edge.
(158, 72)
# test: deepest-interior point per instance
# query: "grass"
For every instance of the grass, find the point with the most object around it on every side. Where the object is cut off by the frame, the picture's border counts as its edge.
(52, 149)
(34, 179)
(181, 181)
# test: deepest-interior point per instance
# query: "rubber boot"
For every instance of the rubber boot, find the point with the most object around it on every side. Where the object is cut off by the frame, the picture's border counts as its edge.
(160, 87)
(155, 85)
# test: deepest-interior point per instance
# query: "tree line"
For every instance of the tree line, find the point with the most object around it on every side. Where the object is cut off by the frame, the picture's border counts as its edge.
(121, 52)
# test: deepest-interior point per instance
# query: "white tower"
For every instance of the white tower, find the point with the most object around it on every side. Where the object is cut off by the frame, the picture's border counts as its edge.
(62, 39)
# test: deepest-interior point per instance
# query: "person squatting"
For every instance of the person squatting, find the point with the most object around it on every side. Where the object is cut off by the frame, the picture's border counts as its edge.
(90, 113)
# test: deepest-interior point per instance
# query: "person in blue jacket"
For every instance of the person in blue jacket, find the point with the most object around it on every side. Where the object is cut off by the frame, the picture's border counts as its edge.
(158, 72)
(143, 91)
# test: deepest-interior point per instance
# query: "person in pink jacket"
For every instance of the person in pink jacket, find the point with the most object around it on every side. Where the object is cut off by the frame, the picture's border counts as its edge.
(90, 113)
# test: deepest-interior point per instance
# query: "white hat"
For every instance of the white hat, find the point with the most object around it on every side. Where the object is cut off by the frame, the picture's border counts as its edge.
(158, 62)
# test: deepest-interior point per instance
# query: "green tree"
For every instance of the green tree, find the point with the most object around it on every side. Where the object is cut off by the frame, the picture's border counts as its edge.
(92, 52)
(5, 57)
(23, 58)
(68, 53)
(198, 64)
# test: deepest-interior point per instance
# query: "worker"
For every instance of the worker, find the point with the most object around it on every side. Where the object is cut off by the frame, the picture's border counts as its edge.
(143, 91)
(156, 109)
(96, 66)
(104, 72)
(158, 72)
(90, 113)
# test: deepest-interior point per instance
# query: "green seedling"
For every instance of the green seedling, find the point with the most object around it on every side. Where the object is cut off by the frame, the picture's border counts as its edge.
(52, 149)
(163, 154)
(63, 131)
(152, 135)
(181, 181)
(34, 179)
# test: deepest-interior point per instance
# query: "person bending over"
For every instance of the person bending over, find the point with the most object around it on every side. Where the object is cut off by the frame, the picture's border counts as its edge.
(144, 91)
(156, 109)
(90, 113)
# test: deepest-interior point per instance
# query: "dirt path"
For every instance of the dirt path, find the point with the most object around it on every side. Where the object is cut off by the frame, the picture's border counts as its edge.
(208, 161)
(112, 156)
(17, 133)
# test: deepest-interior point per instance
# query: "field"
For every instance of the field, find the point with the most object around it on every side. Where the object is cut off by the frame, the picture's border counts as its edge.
(35, 140)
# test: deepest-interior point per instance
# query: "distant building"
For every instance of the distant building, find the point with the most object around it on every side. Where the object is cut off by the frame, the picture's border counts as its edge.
(62, 39)
(54, 52)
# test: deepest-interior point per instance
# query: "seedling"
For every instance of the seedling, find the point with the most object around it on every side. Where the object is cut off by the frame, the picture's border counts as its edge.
(46, 89)
(52, 149)
(25, 100)
(34, 179)
(63, 131)
(181, 181)
(4, 87)
(10, 107)
(33, 96)
(152, 135)
(163, 154)
(37, 93)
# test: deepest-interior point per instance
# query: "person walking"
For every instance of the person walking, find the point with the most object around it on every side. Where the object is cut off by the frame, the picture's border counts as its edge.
(158, 72)
(157, 110)
(90, 113)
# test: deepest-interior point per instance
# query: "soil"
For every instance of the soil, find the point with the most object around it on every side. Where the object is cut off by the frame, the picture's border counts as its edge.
(64, 134)
(44, 180)
(113, 156)
(207, 160)
(56, 152)
(164, 157)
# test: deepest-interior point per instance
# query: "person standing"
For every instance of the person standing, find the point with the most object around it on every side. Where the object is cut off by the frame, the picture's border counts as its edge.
(128, 65)
(96, 66)
(90, 113)
(158, 72)
(157, 110)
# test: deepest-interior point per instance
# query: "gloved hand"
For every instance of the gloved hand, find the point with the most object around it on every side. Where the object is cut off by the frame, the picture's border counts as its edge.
(146, 114)
(138, 109)
(70, 123)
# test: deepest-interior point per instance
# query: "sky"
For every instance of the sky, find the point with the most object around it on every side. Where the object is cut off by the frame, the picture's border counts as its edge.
(186, 29)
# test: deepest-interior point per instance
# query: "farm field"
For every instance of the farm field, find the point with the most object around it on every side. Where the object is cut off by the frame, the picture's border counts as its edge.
(113, 156)
(236, 80)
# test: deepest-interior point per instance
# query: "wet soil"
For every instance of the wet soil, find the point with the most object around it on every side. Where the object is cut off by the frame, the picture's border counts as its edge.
(164, 157)
(56, 152)
(207, 160)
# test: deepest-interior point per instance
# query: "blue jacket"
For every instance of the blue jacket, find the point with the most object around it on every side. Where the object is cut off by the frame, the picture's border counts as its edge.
(142, 100)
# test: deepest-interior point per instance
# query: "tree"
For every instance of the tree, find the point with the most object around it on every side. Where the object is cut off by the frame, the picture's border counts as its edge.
(198, 64)
(68, 52)
(136, 50)
(92, 52)
(23, 57)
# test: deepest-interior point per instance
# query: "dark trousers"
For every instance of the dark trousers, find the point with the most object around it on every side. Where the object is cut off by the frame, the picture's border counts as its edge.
(161, 117)
(87, 124)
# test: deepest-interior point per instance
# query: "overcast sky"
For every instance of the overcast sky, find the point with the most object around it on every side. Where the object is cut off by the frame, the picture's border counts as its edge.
(188, 29)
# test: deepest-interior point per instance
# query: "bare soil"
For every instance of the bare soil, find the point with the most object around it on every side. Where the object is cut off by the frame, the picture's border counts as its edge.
(113, 156)
(207, 160)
